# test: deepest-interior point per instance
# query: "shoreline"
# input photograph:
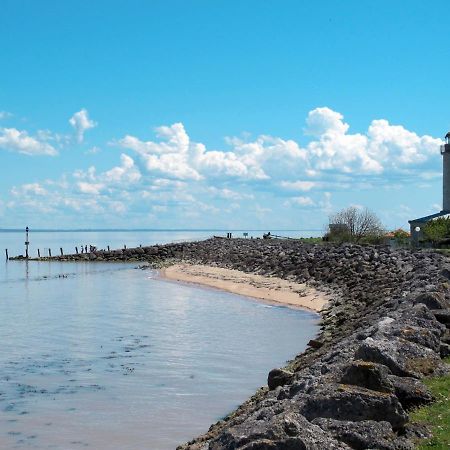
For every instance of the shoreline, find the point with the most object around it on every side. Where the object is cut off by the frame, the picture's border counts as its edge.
(270, 290)
(385, 329)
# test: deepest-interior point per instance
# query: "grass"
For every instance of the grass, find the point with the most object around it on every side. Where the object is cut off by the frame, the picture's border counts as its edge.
(437, 415)
(311, 240)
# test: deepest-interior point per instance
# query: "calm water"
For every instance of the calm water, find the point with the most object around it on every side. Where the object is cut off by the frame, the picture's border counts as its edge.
(108, 357)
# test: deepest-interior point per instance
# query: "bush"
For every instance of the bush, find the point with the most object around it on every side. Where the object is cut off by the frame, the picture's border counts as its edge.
(438, 229)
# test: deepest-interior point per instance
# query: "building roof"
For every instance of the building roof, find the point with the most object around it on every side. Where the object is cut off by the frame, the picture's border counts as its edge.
(431, 217)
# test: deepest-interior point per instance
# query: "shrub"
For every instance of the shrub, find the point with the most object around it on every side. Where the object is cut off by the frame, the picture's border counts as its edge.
(437, 229)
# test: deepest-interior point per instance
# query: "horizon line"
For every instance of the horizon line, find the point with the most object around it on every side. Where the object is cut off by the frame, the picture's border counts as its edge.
(150, 229)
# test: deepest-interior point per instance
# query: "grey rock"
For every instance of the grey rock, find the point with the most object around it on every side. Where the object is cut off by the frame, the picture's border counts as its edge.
(433, 300)
(354, 403)
(278, 377)
(403, 358)
(362, 435)
(410, 392)
(369, 375)
(269, 429)
(442, 316)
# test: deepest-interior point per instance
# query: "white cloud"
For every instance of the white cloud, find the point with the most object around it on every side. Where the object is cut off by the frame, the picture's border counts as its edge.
(81, 123)
(15, 140)
(127, 172)
(299, 185)
(300, 201)
(90, 188)
(325, 121)
(29, 189)
(173, 176)
(5, 115)
(272, 160)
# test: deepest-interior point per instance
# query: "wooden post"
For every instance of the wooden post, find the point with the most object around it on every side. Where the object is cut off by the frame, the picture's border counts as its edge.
(76, 249)
(39, 253)
(6, 251)
(50, 252)
(61, 250)
(27, 243)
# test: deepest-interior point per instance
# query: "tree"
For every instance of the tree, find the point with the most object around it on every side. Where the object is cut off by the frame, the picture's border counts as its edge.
(438, 229)
(355, 225)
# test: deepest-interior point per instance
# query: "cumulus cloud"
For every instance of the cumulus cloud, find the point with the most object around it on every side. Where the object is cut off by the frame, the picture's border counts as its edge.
(384, 147)
(15, 140)
(171, 174)
(81, 123)
(119, 177)
(267, 159)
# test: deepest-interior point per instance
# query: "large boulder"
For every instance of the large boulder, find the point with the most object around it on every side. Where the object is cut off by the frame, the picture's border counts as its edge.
(366, 434)
(354, 403)
(279, 427)
(432, 300)
(410, 391)
(278, 377)
(402, 357)
(369, 375)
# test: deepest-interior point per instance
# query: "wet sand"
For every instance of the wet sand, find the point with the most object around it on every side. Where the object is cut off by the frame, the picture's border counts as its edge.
(269, 289)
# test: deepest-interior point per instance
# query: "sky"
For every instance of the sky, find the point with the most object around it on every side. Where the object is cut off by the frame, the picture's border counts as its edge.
(220, 114)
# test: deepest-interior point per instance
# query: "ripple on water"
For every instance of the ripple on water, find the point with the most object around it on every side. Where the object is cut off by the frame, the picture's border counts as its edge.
(103, 347)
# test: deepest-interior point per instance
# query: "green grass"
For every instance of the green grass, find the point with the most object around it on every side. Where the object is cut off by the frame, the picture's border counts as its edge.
(312, 240)
(437, 415)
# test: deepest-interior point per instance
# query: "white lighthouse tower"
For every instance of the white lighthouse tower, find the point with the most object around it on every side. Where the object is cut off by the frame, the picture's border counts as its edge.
(445, 152)
(416, 225)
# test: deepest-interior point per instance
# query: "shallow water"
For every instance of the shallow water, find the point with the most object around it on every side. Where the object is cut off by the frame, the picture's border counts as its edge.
(108, 357)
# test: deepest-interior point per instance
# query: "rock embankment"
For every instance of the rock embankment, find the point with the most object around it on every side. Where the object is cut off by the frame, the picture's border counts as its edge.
(387, 327)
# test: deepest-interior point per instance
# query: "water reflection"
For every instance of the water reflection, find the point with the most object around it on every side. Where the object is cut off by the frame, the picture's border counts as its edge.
(88, 346)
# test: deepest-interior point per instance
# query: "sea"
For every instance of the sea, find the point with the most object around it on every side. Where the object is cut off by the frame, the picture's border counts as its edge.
(107, 356)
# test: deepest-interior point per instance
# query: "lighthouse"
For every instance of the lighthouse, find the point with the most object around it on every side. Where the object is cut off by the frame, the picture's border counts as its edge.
(445, 152)
(416, 225)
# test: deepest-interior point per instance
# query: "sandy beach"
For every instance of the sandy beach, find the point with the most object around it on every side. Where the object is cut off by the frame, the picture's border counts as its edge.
(269, 289)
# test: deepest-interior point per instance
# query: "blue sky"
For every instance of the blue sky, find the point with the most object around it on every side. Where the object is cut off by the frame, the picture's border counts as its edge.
(224, 114)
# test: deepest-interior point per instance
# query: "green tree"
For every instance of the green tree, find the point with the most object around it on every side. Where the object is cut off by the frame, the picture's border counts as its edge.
(437, 229)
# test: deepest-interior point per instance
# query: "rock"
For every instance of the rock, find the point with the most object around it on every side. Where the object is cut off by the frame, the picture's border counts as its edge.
(368, 375)
(433, 300)
(444, 350)
(366, 434)
(410, 391)
(445, 272)
(278, 377)
(314, 343)
(272, 429)
(442, 316)
(346, 402)
(403, 358)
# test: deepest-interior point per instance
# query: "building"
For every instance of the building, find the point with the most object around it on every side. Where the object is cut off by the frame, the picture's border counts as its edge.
(416, 225)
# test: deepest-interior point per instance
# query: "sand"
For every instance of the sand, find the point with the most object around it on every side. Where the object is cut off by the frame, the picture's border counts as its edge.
(269, 289)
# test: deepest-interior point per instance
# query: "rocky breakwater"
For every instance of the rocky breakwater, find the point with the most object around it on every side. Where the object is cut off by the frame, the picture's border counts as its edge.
(385, 329)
